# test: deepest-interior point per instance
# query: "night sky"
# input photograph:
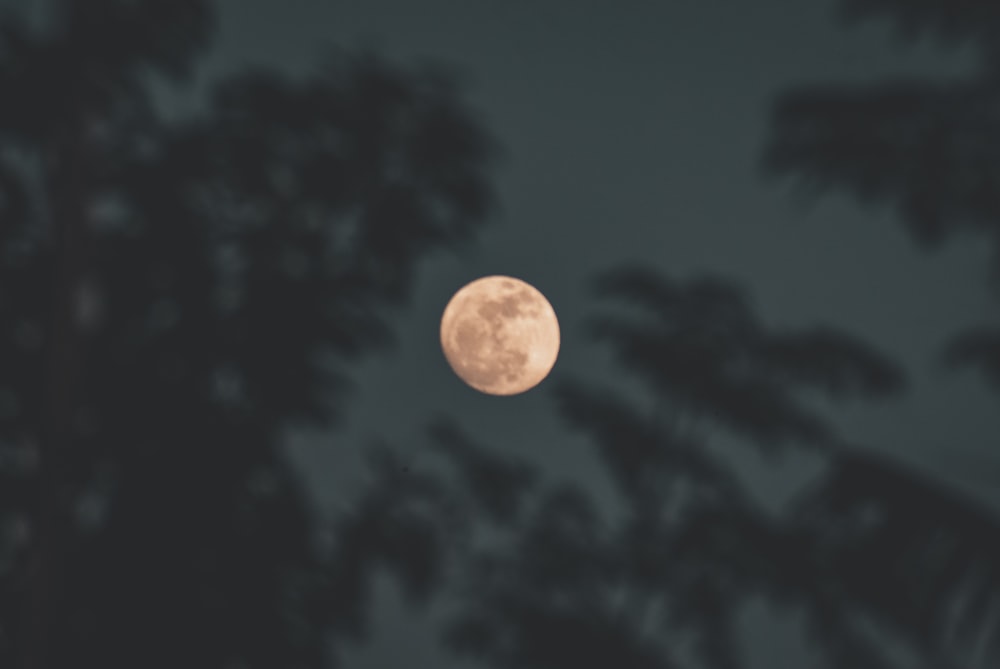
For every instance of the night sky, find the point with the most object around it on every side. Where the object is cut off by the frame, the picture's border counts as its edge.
(632, 132)
(635, 134)
(629, 134)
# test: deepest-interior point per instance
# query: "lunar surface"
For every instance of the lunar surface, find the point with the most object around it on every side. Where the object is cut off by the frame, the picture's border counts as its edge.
(500, 335)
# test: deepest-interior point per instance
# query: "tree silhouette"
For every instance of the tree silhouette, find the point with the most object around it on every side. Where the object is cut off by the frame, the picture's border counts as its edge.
(176, 294)
(540, 576)
(886, 567)
(925, 557)
(708, 363)
(927, 148)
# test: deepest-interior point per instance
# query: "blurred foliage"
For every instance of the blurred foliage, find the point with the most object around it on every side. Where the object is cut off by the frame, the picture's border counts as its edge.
(914, 553)
(699, 344)
(175, 295)
(545, 578)
(930, 149)
(884, 567)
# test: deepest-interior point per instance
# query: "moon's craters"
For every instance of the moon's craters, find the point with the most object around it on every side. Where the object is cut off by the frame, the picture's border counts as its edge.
(500, 335)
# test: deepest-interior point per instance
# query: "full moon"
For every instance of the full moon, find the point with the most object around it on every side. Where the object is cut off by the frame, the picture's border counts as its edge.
(500, 335)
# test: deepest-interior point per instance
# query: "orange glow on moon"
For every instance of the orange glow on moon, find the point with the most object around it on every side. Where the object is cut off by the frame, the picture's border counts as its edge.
(500, 335)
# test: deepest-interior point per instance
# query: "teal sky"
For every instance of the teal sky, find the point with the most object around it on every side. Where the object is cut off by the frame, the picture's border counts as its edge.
(633, 134)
